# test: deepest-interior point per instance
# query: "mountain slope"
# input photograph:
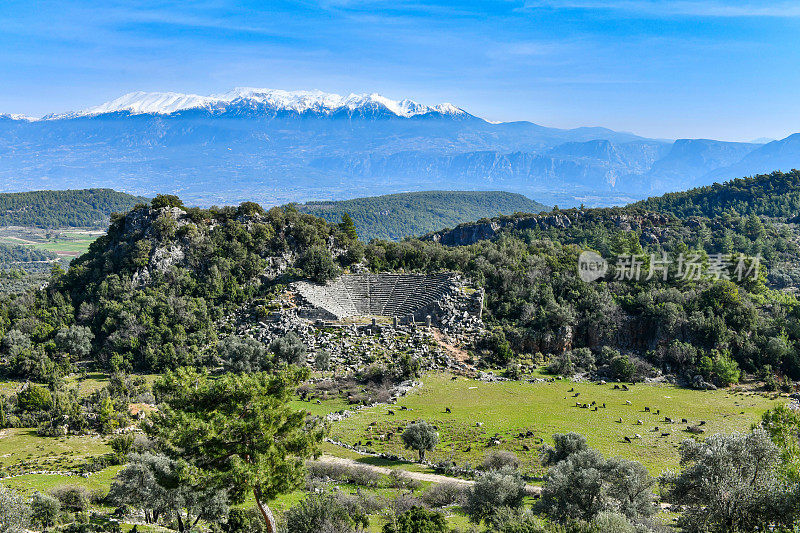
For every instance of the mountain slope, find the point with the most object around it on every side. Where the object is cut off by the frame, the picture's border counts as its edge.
(401, 215)
(772, 195)
(75, 208)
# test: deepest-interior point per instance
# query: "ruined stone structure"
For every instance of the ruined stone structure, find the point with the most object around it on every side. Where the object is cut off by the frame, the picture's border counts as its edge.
(390, 295)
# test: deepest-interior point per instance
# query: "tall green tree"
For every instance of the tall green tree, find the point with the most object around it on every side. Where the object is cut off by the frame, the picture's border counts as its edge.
(348, 227)
(236, 432)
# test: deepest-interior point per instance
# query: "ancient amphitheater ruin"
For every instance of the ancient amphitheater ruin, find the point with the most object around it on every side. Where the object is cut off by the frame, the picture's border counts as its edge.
(404, 296)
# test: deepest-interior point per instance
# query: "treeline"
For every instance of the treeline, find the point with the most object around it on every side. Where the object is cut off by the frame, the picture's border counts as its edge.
(770, 195)
(71, 208)
(395, 216)
(11, 255)
(154, 292)
(700, 327)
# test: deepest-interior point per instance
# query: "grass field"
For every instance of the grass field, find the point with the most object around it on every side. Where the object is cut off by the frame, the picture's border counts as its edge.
(22, 450)
(508, 408)
(67, 243)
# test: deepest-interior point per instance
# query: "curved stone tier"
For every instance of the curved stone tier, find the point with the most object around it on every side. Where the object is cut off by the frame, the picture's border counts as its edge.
(382, 294)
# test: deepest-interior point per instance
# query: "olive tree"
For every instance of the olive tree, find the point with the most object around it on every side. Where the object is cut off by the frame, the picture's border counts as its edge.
(242, 354)
(153, 483)
(14, 512)
(581, 483)
(730, 483)
(420, 436)
(494, 490)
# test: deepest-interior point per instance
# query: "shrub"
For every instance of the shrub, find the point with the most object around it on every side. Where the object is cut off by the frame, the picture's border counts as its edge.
(44, 510)
(322, 513)
(400, 480)
(417, 520)
(444, 494)
(14, 512)
(495, 460)
(72, 497)
(609, 522)
(507, 520)
(493, 490)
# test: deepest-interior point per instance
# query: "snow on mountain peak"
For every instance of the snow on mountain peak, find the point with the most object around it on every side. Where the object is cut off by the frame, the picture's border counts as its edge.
(165, 103)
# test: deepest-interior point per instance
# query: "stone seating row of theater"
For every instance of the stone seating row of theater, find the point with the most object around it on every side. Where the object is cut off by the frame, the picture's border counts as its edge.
(382, 294)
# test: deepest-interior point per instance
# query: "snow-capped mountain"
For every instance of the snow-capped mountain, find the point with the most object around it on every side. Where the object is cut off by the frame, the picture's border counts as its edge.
(278, 146)
(264, 101)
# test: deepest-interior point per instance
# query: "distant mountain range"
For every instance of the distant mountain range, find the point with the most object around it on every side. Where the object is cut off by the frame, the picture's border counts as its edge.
(278, 146)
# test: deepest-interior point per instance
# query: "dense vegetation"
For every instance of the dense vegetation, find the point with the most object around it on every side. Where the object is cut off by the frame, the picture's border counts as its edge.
(770, 195)
(395, 216)
(57, 209)
(156, 292)
(151, 294)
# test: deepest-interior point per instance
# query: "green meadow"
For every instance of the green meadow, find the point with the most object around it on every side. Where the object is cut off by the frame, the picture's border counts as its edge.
(481, 410)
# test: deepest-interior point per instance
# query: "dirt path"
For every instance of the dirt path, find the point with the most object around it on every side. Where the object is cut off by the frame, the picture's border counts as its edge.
(419, 476)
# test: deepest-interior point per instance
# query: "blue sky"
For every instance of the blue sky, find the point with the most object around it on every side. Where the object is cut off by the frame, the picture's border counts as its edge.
(719, 69)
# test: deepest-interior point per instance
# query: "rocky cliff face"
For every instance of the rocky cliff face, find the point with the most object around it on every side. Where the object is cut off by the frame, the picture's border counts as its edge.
(652, 225)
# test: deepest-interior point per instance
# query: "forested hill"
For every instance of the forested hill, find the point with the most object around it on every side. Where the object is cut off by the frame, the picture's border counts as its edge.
(771, 195)
(58, 209)
(395, 216)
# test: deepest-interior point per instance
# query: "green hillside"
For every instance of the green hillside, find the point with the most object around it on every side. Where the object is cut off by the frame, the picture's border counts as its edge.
(395, 216)
(772, 195)
(59, 209)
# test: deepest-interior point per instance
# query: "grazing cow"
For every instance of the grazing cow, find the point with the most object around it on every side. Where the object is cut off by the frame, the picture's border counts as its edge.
(529, 433)
(571, 390)
(469, 448)
(702, 422)
(526, 447)
(368, 443)
(593, 403)
(627, 402)
(616, 387)
(624, 387)
(665, 434)
(447, 410)
(658, 412)
(627, 439)
(576, 394)
(639, 422)
(595, 409)
(390, 412)
(604, 405)
(403, 408)
(646, 409)
(478, 424)
(655, 428)
(637, 436)
(684, 421)
(668, 420)
(454, 378)
(390, 435)
(619, 421)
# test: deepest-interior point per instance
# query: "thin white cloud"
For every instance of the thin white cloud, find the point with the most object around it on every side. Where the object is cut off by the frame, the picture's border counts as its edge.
(691, 8)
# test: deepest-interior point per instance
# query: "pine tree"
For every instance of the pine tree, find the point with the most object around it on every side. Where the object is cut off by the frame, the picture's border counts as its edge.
(348, 227)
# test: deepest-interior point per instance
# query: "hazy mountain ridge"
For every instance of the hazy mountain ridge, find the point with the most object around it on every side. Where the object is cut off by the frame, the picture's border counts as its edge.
(278, 146)
(396, 216)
